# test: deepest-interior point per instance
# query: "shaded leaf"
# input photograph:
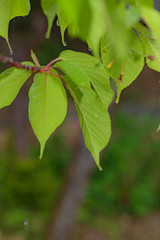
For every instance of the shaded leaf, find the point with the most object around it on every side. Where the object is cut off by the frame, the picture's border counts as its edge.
(49, 8)
(126, 71)
(151, 47)
(10, 9)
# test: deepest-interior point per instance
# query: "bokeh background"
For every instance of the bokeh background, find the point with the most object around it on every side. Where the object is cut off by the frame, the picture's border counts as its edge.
(63, 196)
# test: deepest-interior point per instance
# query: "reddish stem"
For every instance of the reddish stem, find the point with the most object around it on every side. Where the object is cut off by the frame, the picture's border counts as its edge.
(53, 61)
(53, 74)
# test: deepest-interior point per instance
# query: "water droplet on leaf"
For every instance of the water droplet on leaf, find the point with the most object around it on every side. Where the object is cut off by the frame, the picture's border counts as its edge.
(89, 49)
(57, 23)
(65, 44)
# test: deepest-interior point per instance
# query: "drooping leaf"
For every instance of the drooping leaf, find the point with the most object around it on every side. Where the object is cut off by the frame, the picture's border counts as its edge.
(49, 8)
(10, 9)
(126, 71)
(63, 24)
(97, 27)
(47, 106)
(93, 117)
(151, 47)
(11, 81)
(117, 29)
(92, 106)
(94, 70)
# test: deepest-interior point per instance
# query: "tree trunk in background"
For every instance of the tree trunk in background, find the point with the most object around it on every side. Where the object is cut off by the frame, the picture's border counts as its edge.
(62, 223)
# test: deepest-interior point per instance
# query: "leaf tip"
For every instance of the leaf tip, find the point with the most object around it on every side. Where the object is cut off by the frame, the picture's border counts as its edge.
(100, 168)
(47, 35)
(41, 150)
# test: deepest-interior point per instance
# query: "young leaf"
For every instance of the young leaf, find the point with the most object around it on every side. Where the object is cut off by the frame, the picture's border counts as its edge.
(95, 71)
(10, 9)
(93, 116)
(11, 81)
(47, 106)
(49, 8)
(125, 72)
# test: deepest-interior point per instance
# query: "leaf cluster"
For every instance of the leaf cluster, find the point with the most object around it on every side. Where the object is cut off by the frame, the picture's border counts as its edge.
(122, 35)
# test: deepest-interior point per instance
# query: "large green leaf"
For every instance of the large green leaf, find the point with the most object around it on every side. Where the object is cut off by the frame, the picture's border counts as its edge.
(126, 71)
(91, 105)
(93, 116)
(94, 70)
(49, 8)
(47, 106)
(10, 9)
(11, 81)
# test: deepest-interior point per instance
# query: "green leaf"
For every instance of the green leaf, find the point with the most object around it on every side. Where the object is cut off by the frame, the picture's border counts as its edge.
(151, 37)
(97, 27)
(95, 71)
(151, 47)
(152, 19)
(73, 71)
(80, 69)
(132, 16)
(63, 23)
(148, 3)
(47, 106)
(11, 81)
(93, 116)
(10, 9)
(49, 8)
(126, 71)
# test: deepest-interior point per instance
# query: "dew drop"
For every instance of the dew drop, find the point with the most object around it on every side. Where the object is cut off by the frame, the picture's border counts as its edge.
(57, 23)
(65, 44)
(89, 49)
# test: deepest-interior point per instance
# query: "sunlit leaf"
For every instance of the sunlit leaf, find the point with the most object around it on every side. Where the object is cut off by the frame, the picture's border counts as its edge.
(94, 70)
(93, 117)
(47, 106)
(79, 71)
(11, 81)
